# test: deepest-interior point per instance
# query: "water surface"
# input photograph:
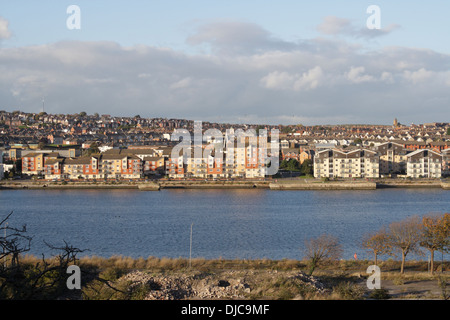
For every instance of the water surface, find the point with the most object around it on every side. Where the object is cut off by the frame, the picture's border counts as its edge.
(231, 224)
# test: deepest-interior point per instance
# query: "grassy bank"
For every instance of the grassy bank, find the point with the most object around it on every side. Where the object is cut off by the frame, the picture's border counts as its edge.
(125, 278)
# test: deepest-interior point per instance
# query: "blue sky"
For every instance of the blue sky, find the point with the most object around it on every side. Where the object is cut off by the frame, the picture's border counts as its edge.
(423, 24)
(237, 61)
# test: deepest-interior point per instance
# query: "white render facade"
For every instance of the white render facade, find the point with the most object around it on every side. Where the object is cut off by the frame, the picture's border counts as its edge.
(446, 162)
(2, 170)
(333, 163)
(424, 163)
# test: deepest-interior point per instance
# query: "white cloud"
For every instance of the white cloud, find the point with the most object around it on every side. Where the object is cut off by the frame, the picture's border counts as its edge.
(356, 75)
(255, 77)
(183, 83)
(4, 30)
(418, 76)
(278, 80)
(387, 77)
(297, 82)
(310, 79)
(236, 37)
(332, 25)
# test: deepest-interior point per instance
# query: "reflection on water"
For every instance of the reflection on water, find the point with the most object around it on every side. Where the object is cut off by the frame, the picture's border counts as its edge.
(238, 223)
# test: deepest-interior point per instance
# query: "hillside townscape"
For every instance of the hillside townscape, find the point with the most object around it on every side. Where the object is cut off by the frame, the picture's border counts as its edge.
(82, 146)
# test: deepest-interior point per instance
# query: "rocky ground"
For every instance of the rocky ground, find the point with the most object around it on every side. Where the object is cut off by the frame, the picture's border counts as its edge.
(226, 285)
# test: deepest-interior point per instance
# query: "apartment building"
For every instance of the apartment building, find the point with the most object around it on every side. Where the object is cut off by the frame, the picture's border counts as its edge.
(334, 163)
(254, 161)
(2, 170)
(109, 166)
(393, 158)
(446, 162)
(243, 161)
(75, 168)
(424, 163)
(131, 167)
(53, 168)
(33, 163)
(153, 165)
(175, 167)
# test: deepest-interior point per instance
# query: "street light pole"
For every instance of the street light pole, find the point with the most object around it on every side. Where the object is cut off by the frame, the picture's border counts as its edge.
(190, 248)
(4, 250)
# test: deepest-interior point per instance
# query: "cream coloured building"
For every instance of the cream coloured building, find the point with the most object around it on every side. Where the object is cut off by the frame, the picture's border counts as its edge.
(334, 163)
(424, 163)
(393, 158)
(446, 162)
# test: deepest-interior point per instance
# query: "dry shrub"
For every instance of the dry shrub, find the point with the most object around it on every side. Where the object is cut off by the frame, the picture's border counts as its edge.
(349, 291)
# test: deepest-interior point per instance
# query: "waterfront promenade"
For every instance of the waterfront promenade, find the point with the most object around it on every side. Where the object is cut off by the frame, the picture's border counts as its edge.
(272, 184)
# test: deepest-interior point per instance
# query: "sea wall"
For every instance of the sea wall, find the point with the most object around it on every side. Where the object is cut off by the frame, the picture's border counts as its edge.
(213, 184)
(412, 184)
(275, 184)
(445, 185)
(329, 185)
(70, 185)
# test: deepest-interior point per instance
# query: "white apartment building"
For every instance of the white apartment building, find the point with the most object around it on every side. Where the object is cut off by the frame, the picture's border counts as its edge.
(446, 162)
(424, 163)
(2, 170)
(359, 163)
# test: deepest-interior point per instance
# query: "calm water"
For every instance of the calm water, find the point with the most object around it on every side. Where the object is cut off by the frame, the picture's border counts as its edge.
(226, 223)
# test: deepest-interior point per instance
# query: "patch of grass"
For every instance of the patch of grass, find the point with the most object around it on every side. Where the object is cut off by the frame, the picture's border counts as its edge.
(349, 291)
(379, 294)
(398, 281)
(442, 283)
(281, 288)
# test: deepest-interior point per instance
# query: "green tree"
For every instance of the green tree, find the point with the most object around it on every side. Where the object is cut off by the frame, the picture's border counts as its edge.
(293, 165)
(283, 164)
(258, 128)
(286, 130)
(93, 149)
(306, 167)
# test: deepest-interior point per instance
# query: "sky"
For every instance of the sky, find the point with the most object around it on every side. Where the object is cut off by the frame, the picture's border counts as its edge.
(248, 61)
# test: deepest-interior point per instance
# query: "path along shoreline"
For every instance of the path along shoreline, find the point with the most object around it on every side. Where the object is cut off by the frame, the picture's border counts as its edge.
(275, 184)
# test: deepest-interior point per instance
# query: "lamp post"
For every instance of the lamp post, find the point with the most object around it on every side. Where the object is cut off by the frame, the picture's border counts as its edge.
(4, 250)
(190, 248)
